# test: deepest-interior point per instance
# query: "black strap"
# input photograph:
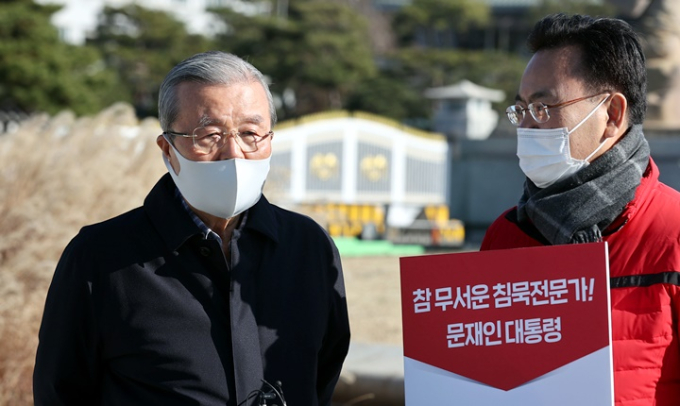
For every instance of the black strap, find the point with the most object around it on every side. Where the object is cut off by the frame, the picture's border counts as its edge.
(629, 281)
(632, 281)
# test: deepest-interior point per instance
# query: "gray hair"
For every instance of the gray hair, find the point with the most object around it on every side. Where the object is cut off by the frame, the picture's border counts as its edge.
(211, 68)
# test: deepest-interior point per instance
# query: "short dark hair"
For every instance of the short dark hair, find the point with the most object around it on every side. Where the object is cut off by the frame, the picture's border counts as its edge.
(612, 55)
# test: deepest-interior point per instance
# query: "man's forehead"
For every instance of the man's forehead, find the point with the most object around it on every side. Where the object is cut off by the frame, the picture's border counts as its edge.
(212, 104)
(550, 73)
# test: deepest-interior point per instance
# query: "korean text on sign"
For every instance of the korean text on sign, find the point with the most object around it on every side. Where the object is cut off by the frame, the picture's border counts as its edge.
(523, 331)
(527, 293)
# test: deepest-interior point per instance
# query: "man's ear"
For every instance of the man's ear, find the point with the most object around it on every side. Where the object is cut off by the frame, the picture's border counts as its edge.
(617, 116)
(164, 145)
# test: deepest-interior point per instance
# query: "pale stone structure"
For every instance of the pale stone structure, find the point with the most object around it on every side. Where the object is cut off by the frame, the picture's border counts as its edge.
(658, 22)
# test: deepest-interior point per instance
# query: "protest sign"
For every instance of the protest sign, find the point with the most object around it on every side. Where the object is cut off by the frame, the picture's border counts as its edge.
(527, 326)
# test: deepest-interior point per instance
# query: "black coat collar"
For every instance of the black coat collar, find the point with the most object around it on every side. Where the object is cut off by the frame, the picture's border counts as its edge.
(176, 227)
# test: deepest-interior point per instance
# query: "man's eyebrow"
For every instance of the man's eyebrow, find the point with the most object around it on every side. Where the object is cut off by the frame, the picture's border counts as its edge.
(254, 119)
(206, 120)
(536, 95)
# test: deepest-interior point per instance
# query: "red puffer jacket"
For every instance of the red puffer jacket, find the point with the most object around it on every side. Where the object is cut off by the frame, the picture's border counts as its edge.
(644, 262)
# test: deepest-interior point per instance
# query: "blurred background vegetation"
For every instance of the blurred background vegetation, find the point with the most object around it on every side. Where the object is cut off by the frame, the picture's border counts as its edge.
(319, 54)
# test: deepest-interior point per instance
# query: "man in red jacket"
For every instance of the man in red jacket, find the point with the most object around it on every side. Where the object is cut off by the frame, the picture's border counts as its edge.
(579, 112)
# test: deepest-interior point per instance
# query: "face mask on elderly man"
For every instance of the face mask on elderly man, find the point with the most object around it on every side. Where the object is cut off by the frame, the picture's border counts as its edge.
(224, 188)
(545, 155)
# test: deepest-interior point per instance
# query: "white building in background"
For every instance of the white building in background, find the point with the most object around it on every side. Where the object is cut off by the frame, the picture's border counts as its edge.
(78, 18)
(357, 158)
(360, 174)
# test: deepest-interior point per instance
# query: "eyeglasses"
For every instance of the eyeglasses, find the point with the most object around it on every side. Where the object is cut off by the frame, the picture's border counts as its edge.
(539, 111)
(207, 140)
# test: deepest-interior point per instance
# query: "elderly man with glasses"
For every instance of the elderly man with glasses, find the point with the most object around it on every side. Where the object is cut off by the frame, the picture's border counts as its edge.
(589, 178)
(207, 294)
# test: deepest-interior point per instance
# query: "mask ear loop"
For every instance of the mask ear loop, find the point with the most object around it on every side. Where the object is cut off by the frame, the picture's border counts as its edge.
(594, 152)
(584, 120)
(589, 114)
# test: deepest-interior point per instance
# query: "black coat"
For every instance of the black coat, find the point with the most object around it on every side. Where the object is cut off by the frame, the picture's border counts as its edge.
(144, 310)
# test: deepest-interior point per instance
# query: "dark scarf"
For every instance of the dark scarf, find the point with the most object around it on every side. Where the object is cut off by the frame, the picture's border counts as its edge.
(579, 208)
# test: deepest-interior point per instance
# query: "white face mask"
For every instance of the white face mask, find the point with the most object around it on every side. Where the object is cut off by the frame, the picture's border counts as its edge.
(544, 154)
(221, 188)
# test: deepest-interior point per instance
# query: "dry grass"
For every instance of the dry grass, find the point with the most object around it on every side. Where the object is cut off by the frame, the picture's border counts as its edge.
(58, 174)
